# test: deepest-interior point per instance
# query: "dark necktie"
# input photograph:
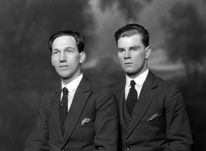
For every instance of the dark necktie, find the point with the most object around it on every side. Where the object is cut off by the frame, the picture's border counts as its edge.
(131, 98)
(63, 108)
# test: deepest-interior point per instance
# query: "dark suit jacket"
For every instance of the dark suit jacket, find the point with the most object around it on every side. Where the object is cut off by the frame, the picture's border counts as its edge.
(159, 120)
(91, 123)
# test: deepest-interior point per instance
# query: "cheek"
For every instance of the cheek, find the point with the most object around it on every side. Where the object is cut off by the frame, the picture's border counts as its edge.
(75, 60)
(121, 61)
(120, 57)
(139, 56)
(53, 61)
(139, 60)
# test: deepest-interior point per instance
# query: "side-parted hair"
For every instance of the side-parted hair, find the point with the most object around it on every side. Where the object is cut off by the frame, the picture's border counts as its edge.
(79, 38)
(132, 29)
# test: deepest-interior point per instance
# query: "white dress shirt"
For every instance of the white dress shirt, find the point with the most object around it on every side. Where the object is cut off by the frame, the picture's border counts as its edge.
(139, 83)
(72, 87)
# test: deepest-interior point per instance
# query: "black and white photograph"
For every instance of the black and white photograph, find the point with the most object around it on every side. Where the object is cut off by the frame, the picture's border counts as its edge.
(102, 75)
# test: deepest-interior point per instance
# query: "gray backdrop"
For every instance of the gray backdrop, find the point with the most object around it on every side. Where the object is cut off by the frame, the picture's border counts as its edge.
(178, 41)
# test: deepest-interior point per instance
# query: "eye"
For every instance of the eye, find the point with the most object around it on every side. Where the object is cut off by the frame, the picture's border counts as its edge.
(120, 50)
(134, 49)
(55, 52)
(69, 50)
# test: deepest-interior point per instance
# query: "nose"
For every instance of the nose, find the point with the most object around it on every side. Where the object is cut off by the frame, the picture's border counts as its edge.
(62, 57)
(127, 55)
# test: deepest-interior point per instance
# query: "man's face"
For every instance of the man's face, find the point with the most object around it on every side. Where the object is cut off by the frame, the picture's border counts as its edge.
(133, 55)
(65, 57)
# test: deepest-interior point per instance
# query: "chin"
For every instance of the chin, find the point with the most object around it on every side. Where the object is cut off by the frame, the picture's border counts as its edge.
(64, 76)
(129, 71)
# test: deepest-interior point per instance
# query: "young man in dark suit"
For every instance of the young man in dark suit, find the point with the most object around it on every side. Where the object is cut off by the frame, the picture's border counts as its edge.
(79, 115)
(152, 112)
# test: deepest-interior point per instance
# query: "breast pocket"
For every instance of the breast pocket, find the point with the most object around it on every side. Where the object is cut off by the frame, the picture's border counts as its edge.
(156, 121)
(87, 127)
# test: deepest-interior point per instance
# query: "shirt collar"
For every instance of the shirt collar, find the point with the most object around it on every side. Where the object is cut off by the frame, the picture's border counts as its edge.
(138, 80)
(74, 84)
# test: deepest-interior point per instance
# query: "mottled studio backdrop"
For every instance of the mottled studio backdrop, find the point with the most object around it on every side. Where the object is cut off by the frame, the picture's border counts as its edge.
(178, 41)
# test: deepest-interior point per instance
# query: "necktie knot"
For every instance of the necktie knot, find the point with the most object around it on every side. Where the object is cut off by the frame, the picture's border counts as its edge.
(65, 91)
(132, 83)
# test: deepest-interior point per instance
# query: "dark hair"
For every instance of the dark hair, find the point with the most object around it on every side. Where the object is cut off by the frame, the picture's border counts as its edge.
(79, 38)
(132, 29)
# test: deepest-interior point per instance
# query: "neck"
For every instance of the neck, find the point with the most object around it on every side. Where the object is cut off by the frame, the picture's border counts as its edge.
(66, 81)
(134, 75)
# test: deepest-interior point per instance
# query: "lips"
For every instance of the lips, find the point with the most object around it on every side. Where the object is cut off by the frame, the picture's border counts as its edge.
(63, 66)
(128, 63)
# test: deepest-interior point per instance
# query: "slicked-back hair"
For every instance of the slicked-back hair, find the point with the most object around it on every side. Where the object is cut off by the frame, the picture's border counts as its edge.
(79, 38)
(133, 29)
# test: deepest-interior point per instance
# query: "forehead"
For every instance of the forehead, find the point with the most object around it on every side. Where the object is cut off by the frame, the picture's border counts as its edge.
(130, 41)
(64, 41)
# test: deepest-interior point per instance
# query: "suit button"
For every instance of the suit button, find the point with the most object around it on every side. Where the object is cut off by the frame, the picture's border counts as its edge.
(127, 147)
(62, 150)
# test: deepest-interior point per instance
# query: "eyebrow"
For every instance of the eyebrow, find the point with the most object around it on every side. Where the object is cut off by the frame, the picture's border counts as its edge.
(55, 50)
(134, 47)
(67, 48)
(70, 48)
(120, 49)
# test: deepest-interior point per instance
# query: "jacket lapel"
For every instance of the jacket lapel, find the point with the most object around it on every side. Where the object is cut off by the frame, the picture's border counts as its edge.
(120, 95)
(80, 98)
(55, 109)
(143, 102)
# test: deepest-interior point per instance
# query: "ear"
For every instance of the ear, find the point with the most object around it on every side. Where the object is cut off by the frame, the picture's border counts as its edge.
(148, 51)
(82, 57)
(52, 61)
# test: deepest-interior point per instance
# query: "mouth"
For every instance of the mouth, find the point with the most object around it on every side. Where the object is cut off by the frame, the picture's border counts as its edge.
(63, 66)
(128, 63)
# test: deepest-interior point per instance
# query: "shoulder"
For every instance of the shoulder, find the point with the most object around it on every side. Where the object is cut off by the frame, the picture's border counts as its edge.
(101, 95)
(117, 85)
(166, 88)
(100, 89)
(50, 93)
(160, 82)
